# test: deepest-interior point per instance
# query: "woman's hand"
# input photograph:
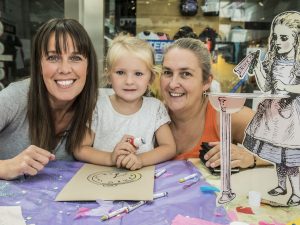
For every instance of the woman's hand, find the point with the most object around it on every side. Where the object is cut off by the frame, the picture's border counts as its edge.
(122, 148)
(29, 162)
(240, 157)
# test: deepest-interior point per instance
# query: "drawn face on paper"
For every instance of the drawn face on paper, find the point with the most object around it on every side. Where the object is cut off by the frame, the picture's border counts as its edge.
(114, 178)
(284, 40)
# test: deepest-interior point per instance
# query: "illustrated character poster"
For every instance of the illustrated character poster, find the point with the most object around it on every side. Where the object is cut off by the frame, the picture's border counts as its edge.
(274, 132)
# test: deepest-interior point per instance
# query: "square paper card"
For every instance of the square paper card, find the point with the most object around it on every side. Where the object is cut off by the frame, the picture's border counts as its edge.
(93, 182)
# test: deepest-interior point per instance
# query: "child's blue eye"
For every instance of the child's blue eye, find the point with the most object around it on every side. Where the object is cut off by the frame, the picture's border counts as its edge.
(138, 74)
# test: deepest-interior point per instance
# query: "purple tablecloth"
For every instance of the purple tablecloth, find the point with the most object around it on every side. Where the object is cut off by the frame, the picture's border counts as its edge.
(36, 197)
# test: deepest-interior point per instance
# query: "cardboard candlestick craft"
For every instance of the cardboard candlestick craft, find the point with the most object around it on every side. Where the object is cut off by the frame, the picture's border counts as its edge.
(273, 133)
(226, 104)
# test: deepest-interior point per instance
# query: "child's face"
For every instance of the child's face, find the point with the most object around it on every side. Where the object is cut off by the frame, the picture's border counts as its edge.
(130, 77)
(284, 40)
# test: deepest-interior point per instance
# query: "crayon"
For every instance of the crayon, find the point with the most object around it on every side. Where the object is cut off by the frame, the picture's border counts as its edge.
(160, 195)
(132, 207)
(159, 173)
(209, 189)
(181, 180)
(135, 206)
(114, 213)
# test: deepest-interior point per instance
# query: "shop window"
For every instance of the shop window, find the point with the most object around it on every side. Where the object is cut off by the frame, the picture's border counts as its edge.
(20, 20)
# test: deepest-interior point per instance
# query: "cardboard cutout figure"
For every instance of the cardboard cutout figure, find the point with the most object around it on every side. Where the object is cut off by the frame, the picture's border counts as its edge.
(274, 132)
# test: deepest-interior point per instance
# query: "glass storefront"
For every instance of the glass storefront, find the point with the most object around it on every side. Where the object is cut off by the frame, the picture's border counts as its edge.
(19, 21)
(230, 28)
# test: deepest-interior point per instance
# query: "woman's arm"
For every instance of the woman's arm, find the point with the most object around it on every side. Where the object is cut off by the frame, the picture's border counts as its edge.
(241, 157)
(239, 123)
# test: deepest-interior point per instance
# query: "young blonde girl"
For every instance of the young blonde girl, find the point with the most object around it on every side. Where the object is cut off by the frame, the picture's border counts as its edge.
(273, 134)
(128, 113)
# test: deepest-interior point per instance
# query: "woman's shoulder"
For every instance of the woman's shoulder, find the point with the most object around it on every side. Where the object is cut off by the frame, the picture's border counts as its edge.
(16, 90)
(211, 112)
(21, 84)
(13, 100)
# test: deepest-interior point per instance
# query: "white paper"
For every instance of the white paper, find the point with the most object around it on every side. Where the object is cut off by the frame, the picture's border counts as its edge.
(11, 215)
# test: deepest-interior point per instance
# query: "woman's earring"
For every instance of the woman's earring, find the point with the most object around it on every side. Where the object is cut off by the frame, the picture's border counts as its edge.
(204, 94)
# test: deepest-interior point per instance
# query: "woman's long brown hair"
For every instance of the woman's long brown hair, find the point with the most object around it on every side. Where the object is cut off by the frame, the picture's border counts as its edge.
(41, 122)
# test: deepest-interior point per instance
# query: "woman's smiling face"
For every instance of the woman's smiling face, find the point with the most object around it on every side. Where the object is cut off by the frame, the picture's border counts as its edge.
(64, 74)
(181, 80)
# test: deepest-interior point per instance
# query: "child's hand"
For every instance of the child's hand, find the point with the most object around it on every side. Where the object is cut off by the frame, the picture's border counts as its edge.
(131, 162)
(122, 148)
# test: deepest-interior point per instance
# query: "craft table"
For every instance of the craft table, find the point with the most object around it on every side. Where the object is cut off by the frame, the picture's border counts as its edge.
(36, 197)
(242, 183)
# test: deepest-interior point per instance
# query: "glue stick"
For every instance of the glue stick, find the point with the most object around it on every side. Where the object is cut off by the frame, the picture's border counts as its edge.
(136, 142)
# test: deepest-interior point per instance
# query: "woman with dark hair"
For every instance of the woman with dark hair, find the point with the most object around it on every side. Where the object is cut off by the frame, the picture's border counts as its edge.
(43, 117)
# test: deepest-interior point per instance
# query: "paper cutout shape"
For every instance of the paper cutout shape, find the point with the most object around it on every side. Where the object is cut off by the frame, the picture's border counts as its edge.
(255, 180)
(247, 64)
(11, 215)
(182, 220)
(226, 104)
(273, 133)
(246, 210)
(93, 182)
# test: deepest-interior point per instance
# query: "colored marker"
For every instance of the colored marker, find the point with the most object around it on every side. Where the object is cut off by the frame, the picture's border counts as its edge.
(209, 189)
(160, 195)
(135, 206)
(114, 213)
(181, 180)
(136, 142)
(159, 173)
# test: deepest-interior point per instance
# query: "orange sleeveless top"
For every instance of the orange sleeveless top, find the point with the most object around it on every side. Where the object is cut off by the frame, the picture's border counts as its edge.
(210, 134)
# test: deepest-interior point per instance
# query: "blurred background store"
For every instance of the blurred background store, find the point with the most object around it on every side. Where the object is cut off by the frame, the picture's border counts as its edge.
(230, 28)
